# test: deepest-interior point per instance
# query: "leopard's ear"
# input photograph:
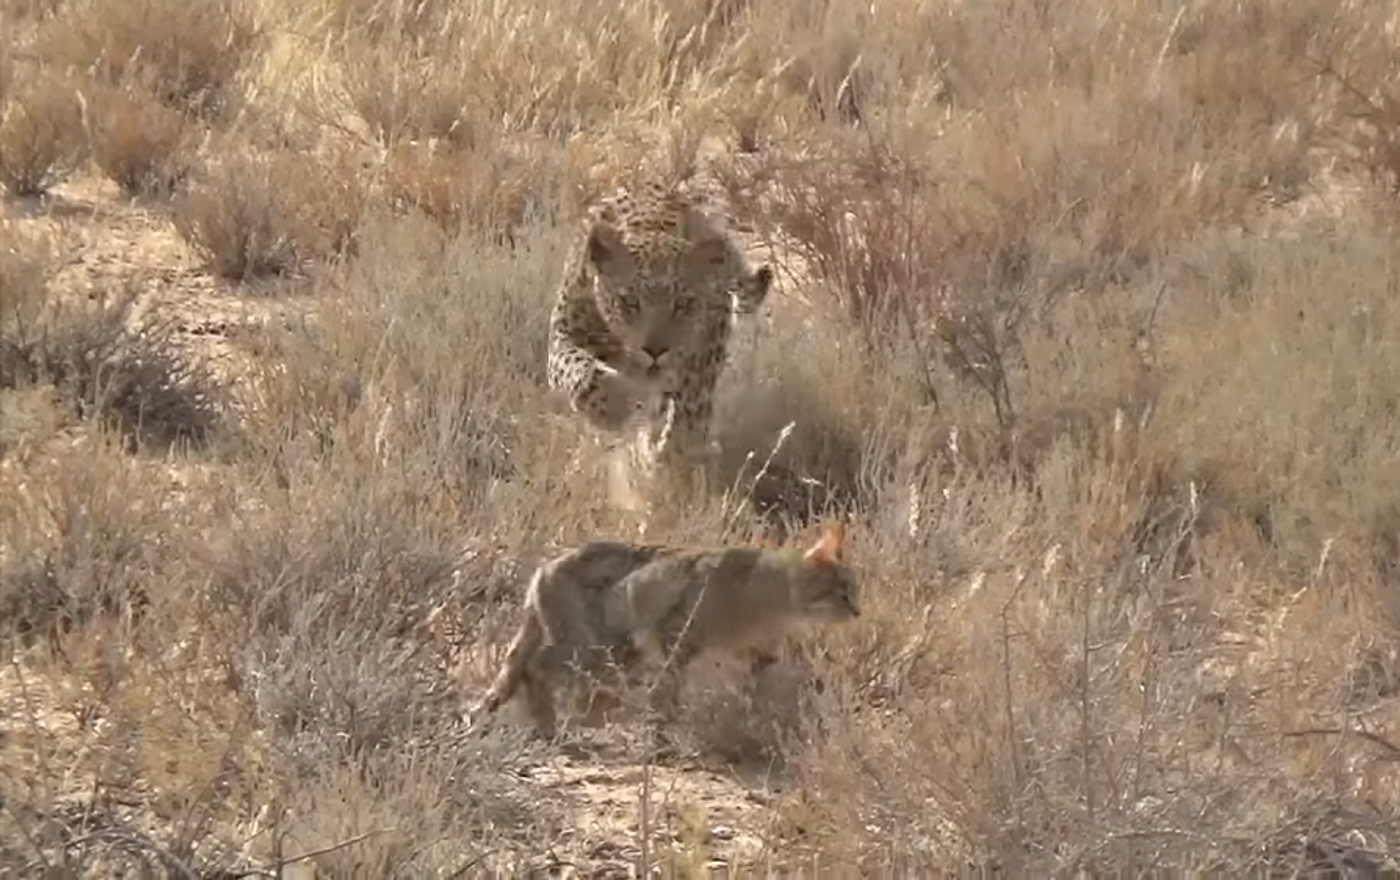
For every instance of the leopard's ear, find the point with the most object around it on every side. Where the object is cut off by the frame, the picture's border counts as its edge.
(606, 250)
(712, 250)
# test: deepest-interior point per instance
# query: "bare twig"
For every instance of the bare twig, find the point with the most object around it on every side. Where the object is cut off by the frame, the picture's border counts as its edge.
(334, 847)
(1373, 738)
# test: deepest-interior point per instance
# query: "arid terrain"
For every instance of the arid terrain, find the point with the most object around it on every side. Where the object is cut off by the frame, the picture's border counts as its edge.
(1087, 323)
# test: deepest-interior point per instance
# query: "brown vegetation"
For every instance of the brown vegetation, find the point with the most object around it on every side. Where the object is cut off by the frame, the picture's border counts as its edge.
(140, 143)
(1087, 312)
(41, 133)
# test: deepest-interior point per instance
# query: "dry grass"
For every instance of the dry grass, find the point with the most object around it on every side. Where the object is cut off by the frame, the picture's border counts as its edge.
(134, 379)
(494, 190)
(1085, 318)
(188, 54)
(42, 138)
(252, 214)
(143, 145)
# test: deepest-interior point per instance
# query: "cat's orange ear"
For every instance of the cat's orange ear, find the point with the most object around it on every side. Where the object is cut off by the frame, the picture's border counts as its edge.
(828, 549)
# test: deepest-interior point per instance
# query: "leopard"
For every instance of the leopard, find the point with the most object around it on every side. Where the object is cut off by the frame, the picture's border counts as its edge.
(640, 329)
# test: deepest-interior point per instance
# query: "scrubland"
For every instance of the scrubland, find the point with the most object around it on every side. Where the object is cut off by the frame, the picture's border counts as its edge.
(1088, 321)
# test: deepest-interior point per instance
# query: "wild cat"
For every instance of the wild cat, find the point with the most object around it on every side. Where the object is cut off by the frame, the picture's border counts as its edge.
(614, 604)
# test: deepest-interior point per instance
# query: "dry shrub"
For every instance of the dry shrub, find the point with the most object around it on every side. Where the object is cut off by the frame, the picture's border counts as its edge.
(1376, 134)
(457, 72)
(76, 550)
(800, 440)
(25, 11)
(141, 383)
(143, 145)
(1280, 399)
(1364, 114)
(42, 136)
(405, 98)
(89, 535)
(932, 272)
(389, 417)
(378, 21)
(281, 700)
(188, 55)
(252, 215)
(401, 354)
(137, 381)
(493, 188)
(29, 414)
(25, 270)
(751, 710)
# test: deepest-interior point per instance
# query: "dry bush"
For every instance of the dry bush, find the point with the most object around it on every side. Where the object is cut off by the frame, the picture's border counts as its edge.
(224, 733)
(403, 98)
(189, 55)
(1318, 467)
(404, 352)
(24, 11)
(1366, 117)
(143, 145)
(1377, 134)
(29, 414)
(376, 21)
(493, 189)
(252, 215)
(282, 707)
(461, 71)
(42, 136)
(78, 549)
(140, 382)
(25, 270)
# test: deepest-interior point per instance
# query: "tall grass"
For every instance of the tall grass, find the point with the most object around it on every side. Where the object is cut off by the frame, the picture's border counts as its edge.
(1086, 317)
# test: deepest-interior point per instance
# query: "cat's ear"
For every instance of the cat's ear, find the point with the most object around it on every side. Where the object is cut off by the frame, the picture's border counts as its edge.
(758, 539)
(710, 251)
(828, 549)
